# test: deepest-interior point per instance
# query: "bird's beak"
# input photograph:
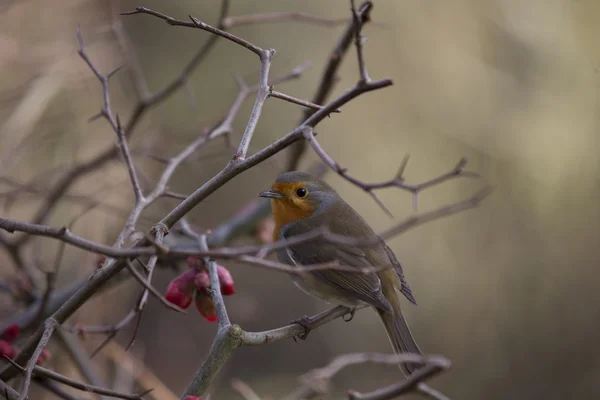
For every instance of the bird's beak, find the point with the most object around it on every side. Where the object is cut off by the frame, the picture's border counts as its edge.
(272, 194)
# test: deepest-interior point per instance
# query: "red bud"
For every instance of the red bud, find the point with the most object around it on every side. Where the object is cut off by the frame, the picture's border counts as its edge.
(192, 398)
(7, 349)
(225, 280)
(205, 306)
(11, 333)
(202, 281)
(181, 289)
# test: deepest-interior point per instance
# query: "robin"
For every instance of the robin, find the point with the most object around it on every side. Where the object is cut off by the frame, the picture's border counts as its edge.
(301, 203)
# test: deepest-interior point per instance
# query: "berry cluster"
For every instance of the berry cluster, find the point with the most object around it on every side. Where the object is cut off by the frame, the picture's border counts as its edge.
(192, 285)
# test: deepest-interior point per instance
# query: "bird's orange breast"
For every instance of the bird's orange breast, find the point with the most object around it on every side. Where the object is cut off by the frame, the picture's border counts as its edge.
(288, 209)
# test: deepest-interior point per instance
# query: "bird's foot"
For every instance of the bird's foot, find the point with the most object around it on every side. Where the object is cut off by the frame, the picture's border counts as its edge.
(349, 315)
(305, 322)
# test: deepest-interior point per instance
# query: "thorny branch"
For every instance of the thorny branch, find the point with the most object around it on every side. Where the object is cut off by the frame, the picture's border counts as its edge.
(397, 181)
(238, 252)
(229, 336)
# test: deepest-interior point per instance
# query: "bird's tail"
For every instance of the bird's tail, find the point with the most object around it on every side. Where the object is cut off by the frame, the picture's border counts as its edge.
(400, 336)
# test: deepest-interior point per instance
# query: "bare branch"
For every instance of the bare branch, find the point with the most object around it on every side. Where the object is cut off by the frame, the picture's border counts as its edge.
(49, 327)
(397, 181)
(196, 23)
(291, 99)
(358, 41)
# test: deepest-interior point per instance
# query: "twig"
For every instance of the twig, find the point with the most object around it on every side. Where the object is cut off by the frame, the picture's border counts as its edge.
(397, 181)
(49, 327)
(329, 76)
(160, 235)
(244, 390)
(358, 41)
(196, 23)
(294, 100)
(80, 357)
(138, 277)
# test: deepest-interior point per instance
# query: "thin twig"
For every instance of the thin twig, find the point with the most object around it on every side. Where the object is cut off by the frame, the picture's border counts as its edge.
(49, 327)
(196, 23)
(294, 100)
(397, 181)
(138, 277)
(358, 41)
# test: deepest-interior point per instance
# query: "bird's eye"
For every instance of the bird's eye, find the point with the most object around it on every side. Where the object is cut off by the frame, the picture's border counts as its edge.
(302, 192)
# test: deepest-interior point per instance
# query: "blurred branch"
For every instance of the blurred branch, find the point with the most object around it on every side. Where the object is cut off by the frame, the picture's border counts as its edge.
(410, 384)
(244, 390)
(329, 76)
(318, 381)
(80, 357)
(8, 392)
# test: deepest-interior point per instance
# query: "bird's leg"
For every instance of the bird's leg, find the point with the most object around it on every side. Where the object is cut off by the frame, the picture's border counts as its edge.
(306, 322)
(349, 316)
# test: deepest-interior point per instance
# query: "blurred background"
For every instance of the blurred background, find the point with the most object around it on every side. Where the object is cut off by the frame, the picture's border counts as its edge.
(508, 291)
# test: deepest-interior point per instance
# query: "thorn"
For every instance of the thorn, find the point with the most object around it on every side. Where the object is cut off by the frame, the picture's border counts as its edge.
(195, 21)
(95, 117)
(79, 40)
(400, 173)
(461, 164)
(110, 74)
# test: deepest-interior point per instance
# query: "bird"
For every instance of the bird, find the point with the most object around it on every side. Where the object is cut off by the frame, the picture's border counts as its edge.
(301, 203)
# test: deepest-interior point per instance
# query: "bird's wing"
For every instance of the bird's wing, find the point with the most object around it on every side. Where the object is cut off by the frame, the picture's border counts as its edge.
(361, 285)
(405, 289)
